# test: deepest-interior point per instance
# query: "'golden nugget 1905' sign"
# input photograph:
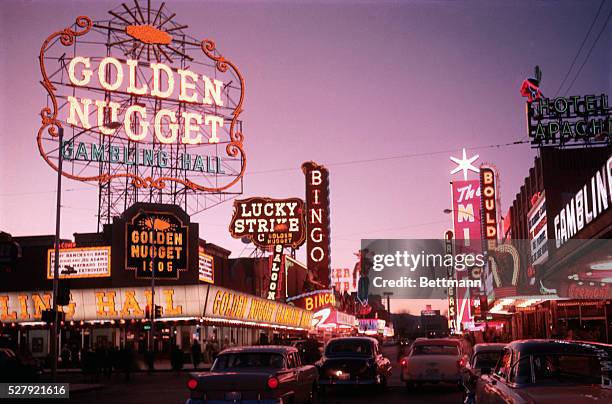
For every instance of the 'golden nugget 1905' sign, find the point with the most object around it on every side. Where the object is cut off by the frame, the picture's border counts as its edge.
(141, 100)
(156, 240)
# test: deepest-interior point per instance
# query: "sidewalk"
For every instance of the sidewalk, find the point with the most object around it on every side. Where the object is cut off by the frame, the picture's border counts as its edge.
(161, 365)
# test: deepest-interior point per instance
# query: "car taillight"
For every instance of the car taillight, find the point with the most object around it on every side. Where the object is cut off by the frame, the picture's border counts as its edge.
(460, 363)
(192, 384)
(403, 362)
(272, 383)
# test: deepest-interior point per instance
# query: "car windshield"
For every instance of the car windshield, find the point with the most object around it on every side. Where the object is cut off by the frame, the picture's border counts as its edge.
(581, 369)
(349, 347)
(248, 360)
(435, 350)
(486, 359)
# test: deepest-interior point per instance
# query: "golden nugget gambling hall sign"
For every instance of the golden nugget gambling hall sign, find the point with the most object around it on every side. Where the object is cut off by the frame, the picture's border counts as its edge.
(213, 303)
(156, 240)
(141, 101)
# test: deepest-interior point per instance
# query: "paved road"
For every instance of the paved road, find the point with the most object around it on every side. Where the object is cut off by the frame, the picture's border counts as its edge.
(170, 387)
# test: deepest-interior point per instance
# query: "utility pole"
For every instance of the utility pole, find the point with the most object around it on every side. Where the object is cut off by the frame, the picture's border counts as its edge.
(58, 205)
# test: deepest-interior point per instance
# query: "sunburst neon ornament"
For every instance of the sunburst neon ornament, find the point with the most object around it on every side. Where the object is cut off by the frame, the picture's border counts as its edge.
(464, 164)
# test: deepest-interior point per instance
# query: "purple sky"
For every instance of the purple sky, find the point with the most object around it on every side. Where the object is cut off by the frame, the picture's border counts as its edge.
(331, 82)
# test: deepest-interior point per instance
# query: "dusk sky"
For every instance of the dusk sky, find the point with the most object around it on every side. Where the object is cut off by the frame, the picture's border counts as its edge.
(380, 92)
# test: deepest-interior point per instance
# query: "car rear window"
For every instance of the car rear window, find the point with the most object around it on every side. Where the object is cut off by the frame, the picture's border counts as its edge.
(248, 360)
(435, 350)
(581, 369)
(350, 347)
(486, 359)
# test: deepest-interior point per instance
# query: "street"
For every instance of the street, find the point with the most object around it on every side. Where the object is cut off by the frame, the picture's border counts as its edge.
(170, 387)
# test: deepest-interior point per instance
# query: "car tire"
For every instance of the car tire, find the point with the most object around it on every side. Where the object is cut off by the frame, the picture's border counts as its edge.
(313, 395)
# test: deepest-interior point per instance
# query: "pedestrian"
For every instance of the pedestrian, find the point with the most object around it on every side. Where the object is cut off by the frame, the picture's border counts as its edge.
(215, 350)
(65, 355)
(129, 361)
(196, 353)
(208, 351)
(176, 358)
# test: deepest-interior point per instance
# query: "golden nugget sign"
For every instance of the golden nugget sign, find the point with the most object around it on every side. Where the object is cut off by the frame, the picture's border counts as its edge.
(139, 98)
(156, 240)
(237, 306)
(268, 222)
(209, 302)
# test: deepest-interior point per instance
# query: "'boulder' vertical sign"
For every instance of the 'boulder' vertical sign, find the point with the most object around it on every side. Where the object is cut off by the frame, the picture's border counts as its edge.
(317, 220)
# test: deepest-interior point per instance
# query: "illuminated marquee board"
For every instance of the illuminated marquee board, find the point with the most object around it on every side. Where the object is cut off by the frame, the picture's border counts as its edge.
(206, 266)
(268, 222)
(317, 219)
(538, 229)
(89, 262)
(209, 302)
(144, 107)
(156, 239)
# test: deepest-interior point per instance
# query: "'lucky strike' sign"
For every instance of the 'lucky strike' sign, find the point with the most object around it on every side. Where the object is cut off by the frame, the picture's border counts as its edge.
(317, 217)
(268, 222)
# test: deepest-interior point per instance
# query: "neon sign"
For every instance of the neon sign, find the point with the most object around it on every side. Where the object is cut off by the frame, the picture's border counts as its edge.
(489, 203)
(570, 120)
(592, 200)
(156, 241)
(317, 206)
(138, 99)
(268, 222)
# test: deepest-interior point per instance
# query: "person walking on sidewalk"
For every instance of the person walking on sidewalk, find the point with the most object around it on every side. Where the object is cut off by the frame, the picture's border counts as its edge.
(196, 353)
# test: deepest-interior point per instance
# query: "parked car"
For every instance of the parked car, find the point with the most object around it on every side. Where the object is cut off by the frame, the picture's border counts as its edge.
(549, 371)
(16, 368)
(434, 361)
(353, 361)
(263, 374)
(483, 359)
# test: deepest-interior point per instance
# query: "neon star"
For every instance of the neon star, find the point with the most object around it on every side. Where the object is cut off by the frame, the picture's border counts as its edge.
(464, 164)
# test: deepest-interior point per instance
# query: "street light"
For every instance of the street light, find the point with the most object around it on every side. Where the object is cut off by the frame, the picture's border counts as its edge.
(54, 329)
(449, 211)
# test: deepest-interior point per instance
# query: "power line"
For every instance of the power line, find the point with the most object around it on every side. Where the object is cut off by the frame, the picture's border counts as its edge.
(590, 50)
(398, 157)
(580, 48)
(333, 164)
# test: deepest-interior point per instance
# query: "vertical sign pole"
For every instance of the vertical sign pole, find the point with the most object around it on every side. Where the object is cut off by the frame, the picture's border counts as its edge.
(54, 328)
(153, 253)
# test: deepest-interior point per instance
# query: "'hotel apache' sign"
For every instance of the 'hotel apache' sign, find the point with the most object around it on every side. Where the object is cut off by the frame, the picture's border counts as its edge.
(156, 239)
(317, 219)
(269, 222)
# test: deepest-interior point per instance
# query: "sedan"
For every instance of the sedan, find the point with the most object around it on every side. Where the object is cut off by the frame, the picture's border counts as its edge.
(262, 374)
(483, 359)
(353, 361)
(434, 361)
(549, 371)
